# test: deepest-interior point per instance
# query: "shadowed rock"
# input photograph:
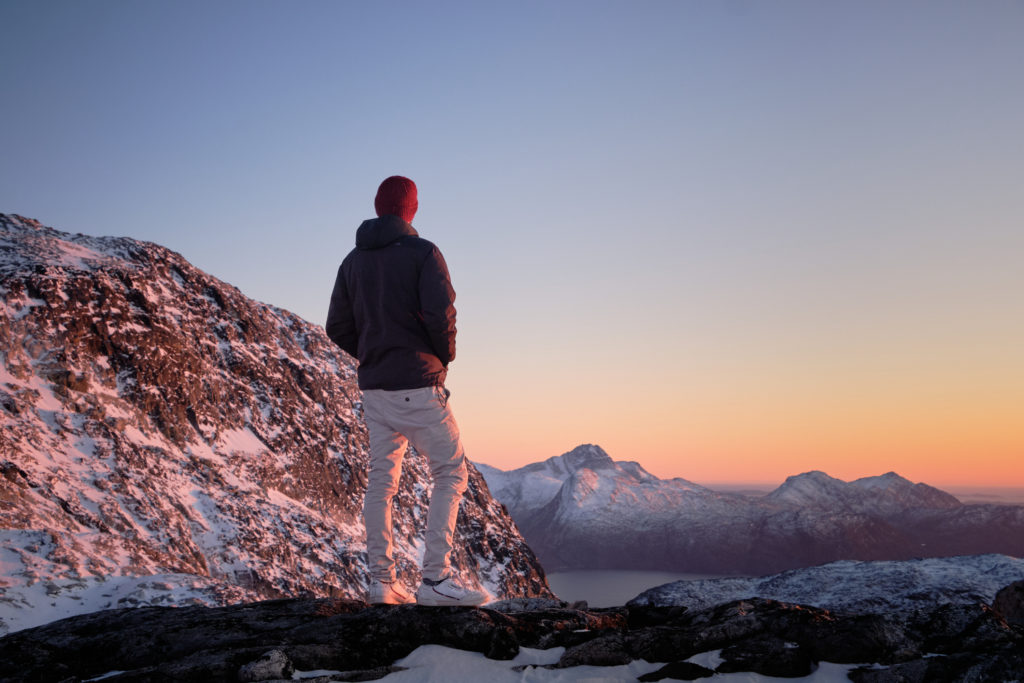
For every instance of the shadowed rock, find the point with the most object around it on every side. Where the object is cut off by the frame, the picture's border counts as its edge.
(1009, 603)
(216, 644)
(268, 640)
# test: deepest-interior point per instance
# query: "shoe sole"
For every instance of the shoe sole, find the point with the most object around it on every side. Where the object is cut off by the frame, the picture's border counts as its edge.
(410, 601)
(443, 601)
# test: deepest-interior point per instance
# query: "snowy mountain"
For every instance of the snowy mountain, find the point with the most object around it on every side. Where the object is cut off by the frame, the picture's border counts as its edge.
(533, 486)
(163, 438)
(582, 510)
(889, 493)
(851, 587)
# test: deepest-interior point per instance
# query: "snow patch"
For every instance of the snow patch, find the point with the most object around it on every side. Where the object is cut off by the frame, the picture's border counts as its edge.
(439, 664)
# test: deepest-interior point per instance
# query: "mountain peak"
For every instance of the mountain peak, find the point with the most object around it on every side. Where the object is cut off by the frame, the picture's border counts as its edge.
(808, 488)
(887, 492)
(28, 245)
(587, 456)
(893, 490)
(889, 478)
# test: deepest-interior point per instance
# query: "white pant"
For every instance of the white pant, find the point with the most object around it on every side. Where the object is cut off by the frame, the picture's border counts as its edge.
(422, 417)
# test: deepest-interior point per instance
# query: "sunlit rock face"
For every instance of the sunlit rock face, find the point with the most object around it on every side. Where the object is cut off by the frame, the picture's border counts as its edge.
(155, 422)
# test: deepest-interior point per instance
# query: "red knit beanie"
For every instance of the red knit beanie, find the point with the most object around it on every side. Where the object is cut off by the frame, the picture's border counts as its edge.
(397, 196)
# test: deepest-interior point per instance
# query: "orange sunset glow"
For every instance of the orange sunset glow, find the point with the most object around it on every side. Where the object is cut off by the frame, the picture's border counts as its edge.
(731, 241)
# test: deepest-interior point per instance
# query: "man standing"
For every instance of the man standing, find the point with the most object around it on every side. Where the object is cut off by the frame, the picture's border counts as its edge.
(392, 309)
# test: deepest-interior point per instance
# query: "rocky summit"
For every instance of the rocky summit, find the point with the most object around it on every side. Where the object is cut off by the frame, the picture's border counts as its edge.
(346, 640)
(164, 439)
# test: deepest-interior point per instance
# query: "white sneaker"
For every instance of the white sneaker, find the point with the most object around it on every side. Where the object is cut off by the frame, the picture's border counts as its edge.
(448, 593)
(381, 593)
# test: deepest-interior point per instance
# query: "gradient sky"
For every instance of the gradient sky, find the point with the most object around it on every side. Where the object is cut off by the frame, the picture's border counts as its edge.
(733, 241)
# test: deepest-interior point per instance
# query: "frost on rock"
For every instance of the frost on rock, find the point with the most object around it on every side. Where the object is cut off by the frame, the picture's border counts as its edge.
(154, 421)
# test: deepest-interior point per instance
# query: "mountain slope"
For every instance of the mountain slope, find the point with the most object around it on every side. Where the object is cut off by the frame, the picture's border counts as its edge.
(572, 476)
(155, 421)
(582, 510)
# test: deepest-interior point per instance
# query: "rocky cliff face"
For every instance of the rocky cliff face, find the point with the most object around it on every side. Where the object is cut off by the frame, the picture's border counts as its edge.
(583, 510)
(155, 421)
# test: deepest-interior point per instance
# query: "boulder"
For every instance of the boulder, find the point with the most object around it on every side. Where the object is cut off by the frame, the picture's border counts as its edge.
(274, 664)
(1009, 603)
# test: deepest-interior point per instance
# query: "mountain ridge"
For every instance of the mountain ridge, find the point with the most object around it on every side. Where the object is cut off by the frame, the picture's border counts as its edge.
(888, 491)
(580, 517)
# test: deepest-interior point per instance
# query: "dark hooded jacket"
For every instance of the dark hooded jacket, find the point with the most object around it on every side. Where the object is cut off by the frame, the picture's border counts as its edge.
(393, 307)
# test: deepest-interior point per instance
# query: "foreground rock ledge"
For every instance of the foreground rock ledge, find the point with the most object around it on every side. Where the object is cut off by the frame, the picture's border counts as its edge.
(263, 641)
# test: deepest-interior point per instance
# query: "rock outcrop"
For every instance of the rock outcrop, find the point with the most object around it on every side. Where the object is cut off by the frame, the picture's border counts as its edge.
(266, 641)
(156, 421)
(1009, 603)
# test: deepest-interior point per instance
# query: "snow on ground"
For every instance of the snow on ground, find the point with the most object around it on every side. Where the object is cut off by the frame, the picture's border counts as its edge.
(438, 664)
(26, 606)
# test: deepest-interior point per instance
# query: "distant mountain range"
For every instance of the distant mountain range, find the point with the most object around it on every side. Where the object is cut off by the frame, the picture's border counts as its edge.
(583, 510)
(164, 439)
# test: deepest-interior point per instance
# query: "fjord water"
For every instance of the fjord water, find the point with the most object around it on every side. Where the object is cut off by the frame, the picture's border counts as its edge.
(610, 588)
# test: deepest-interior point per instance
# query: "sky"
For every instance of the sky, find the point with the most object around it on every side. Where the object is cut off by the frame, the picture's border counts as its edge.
(733, 241)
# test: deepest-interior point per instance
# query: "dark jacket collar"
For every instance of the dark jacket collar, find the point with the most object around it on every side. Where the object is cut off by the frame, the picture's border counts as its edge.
(380, 232)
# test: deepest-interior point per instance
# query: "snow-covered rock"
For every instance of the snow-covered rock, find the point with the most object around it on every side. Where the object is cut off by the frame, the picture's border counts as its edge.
(163, 438)
(920, 640)
(583, 510)
(853, 587)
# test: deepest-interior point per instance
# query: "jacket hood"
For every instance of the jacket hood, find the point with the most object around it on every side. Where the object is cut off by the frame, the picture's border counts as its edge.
(380, 232)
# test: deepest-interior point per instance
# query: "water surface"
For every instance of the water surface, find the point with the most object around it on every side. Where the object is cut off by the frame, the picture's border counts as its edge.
(610, 588)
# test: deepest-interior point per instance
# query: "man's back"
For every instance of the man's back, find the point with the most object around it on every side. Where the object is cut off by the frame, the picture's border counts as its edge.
(393, 307)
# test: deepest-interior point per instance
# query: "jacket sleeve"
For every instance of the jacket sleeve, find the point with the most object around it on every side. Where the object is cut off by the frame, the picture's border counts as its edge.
(437, 306)
(341, 323)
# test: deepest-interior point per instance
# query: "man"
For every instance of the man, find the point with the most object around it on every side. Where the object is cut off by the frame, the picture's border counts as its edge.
(392, 309)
